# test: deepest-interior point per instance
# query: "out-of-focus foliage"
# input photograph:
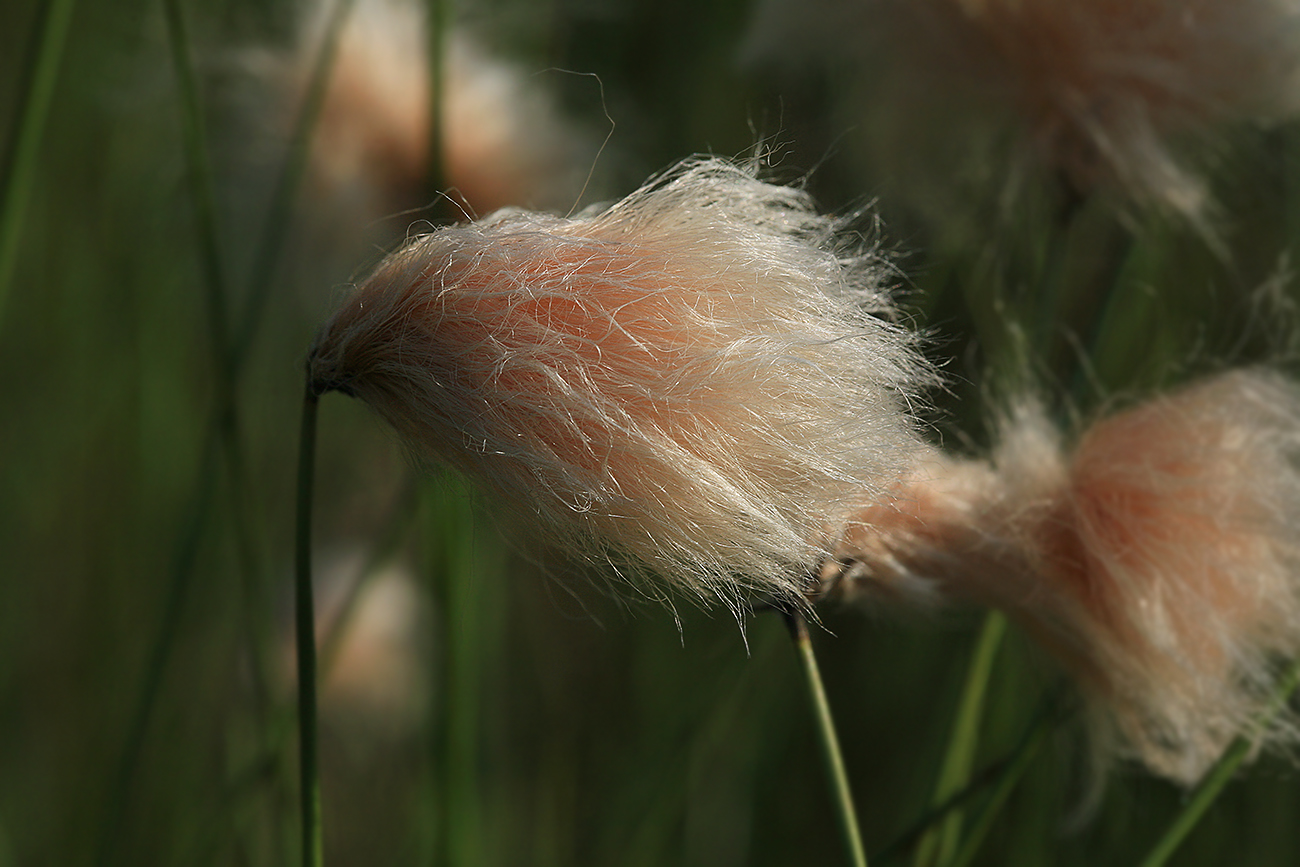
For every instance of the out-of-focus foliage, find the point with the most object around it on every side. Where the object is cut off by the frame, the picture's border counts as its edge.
(485, 704)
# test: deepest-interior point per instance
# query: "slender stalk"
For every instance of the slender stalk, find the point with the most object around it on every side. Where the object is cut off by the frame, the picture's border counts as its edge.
(843, 795)
(201, 187)
(1010, 777)
(231, 350)
(18, 174)
(178, 588)
(202, 184)
(464, 576)
(267, 255)
(308, 770)
(908, 840)
(1223, 770)
(939, 843)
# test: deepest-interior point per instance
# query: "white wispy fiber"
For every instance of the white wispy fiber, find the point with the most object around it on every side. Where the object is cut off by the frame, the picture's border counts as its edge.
(694, 382)
(1158, 558)
(1108, 92)
(703, 382)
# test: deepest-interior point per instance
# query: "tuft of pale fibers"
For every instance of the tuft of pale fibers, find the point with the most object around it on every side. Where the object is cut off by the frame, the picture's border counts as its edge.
(1132, 96)
(699, 379)
(702, 382)
(504, 139)
(1157, 559)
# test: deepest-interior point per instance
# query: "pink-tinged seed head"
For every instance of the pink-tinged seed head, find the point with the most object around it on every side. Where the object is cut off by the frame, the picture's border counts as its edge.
(1158, 562)
(697, 379)
(1131, 96)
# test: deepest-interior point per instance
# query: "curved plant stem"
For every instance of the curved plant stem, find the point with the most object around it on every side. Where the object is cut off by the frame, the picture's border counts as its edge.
(843, 796)
(1210, 787)
(305, 621)
(231, 345)
(18, 174)
(939, 843)
(267, 255)
(1015, 769)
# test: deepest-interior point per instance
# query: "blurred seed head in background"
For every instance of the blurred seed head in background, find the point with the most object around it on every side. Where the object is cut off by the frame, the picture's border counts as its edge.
(1125, 96)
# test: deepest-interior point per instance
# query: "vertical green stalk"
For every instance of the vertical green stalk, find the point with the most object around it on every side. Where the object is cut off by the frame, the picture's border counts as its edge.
(216, 291)
(939, 843)
(1006, 783)
(305, 620)
(267, 254)
(843, 795)
(223, 433)
(201, 190)
(464, 572)
(1218, 777)
(19, 171)
(230, 350)
(182, 569)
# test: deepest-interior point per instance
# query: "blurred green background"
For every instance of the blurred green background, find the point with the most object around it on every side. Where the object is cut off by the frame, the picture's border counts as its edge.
(483, 702)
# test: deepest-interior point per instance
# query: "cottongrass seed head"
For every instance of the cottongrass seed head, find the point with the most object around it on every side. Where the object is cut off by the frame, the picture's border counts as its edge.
(1157, 559)
(504, 138)
(694, 382)
(1107, 93)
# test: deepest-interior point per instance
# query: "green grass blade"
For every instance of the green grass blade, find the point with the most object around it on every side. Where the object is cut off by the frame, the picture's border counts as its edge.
(267, 256)
(19, 172)
(842, 793)
(194, 144)
(938, 845)
(1205, 794)
(1011, 775)
(246, 513)
(305, 623)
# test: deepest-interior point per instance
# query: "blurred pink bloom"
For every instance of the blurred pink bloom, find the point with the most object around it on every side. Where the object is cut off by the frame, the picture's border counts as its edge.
(504, 139)
(1107, 92)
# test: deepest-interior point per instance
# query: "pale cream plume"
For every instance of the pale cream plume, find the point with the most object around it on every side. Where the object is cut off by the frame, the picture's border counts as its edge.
(1109, 93)
(1157, 559)
(698, 379)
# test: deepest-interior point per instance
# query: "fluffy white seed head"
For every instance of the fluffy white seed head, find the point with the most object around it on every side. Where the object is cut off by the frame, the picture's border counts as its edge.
(699, 379)
(1158, 559)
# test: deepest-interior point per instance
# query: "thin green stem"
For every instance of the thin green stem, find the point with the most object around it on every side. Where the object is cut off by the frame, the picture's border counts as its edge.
(267, 255)
(308, 770)
(1223, 770)
(216, 291)
(463, 573)
(1007, 781)
(201, 187)
(843, 795)
(18, 175)
(936, 814)
(938, 845)
(178, 588)
(232, 351)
